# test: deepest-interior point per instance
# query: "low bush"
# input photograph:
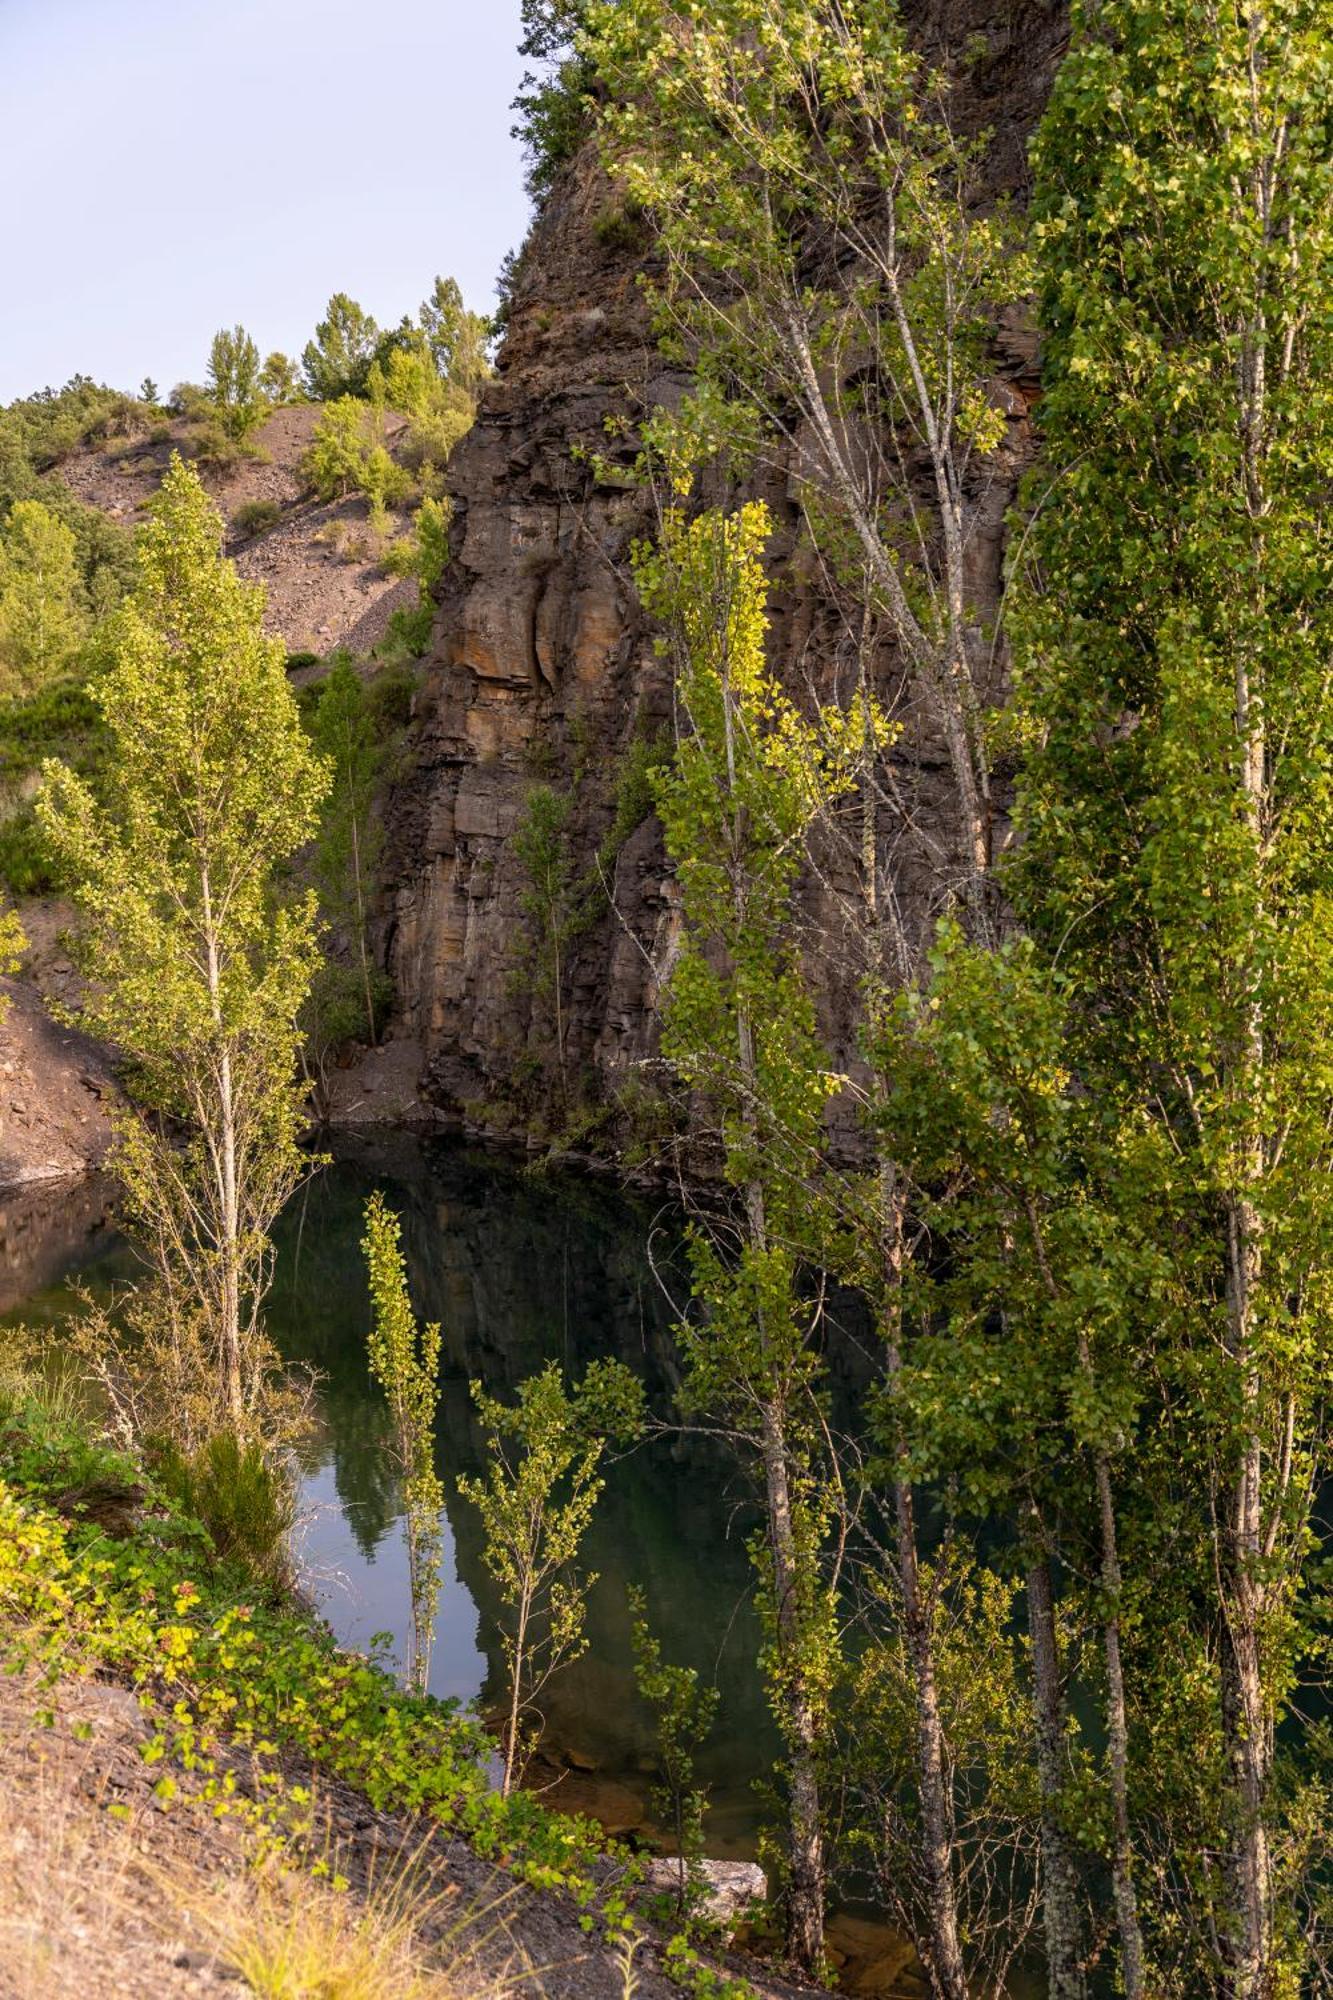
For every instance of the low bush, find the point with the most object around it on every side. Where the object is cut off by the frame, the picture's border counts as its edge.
(256, 517)
(243, 1499)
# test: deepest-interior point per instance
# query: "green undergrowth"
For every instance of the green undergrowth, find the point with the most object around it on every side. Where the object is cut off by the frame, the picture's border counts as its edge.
(104, 1572)
(60, 720)
(225, 1661)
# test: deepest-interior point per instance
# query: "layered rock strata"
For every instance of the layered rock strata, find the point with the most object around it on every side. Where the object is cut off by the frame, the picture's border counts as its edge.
(543, 669)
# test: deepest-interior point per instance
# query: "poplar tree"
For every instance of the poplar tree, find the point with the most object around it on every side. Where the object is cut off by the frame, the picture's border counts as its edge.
(405, 1361)
(41, 622)
(749, 777)
(1177, 810)
(833, 272)
(198, 959)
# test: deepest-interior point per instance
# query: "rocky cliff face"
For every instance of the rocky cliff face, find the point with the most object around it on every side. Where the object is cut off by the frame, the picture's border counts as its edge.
(543, 670)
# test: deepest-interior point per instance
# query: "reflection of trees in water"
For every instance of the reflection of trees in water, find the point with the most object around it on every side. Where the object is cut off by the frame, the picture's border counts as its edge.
(520, 1270)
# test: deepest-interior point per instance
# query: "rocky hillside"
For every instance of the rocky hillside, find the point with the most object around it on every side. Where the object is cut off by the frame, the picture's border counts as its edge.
(543, 670)
(325, 586)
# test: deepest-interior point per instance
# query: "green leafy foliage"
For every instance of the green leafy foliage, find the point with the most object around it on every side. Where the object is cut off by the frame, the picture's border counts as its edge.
(199, 967)
(42, 620)
(159, 1611)
(536, 1504)
(234, 383)
(552, 104)
(279, 379)
(240, 1495)
(64, 721)
(337, 361)
(405, 1361)
(750, 776)
(349, 454)
(685, 1709)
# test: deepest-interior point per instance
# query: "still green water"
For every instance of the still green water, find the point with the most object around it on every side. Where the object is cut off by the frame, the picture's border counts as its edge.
(519, 1270)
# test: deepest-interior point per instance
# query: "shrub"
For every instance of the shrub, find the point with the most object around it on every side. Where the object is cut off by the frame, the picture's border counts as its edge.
(348, 455)
(241, 1497)
(408, 632)
(256, 517)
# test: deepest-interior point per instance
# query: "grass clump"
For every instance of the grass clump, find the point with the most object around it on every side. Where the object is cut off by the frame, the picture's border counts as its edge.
(239, 1495)
(256, 517)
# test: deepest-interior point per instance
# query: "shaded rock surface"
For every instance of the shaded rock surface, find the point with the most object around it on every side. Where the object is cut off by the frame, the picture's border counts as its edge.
(543, 669)
(56, 1094)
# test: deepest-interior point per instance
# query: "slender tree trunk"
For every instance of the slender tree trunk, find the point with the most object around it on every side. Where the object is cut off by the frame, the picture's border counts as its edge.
(225, 1158)
(805, 1890)
(940, 1949)
(1117, 1726)
(1246, 1712)
(231, 1253)
(1060, 1896)
(515, 1696)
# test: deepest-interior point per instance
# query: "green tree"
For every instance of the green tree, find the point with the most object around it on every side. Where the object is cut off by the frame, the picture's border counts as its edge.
(279, 380)
(42, 622)
(536, 1504)
(198, 963)
(348, 735)
(1174, 872)
(405, 1361)
(553, 101)
(234, 384)
(685, 1709)
(832, 276)
(336, 362)
(457, 338)
(348, 454)
(736, 805)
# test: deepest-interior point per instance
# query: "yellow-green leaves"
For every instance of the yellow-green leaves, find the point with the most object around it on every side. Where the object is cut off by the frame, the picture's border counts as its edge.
(41, 620)
(405, 1361)
(199, 958)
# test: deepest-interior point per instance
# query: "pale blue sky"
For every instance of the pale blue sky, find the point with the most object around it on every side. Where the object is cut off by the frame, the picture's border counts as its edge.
(168, 167)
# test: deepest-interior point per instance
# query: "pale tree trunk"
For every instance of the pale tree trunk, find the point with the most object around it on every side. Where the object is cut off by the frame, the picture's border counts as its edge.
(1117, 1730)
(1066, 1977)
(805, 1889)
(940, 1948)
(1117, 1714)
(1247, 1720)
(231, 1253)
(805, 1839)
(224, 1150)
(1246, 1712)
(516, 1694)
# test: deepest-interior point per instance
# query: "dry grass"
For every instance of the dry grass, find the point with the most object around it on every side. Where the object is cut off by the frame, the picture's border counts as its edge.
(67, 1881)
(111, 1904)
(290, 1935)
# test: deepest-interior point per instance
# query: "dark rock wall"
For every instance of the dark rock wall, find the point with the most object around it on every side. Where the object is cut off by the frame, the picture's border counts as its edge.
(543, 669)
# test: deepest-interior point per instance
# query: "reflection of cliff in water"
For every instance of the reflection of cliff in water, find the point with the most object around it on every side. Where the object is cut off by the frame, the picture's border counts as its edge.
(519, 1271)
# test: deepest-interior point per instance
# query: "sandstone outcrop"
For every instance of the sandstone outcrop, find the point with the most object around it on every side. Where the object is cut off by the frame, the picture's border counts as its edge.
(543, 668)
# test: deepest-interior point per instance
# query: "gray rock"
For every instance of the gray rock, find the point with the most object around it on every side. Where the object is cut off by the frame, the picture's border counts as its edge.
(732, 1885)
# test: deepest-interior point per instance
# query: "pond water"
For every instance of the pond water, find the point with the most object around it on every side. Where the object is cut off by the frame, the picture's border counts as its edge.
(519, 1269)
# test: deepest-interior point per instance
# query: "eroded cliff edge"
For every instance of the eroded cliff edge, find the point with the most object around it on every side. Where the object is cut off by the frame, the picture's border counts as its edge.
(543, 671)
